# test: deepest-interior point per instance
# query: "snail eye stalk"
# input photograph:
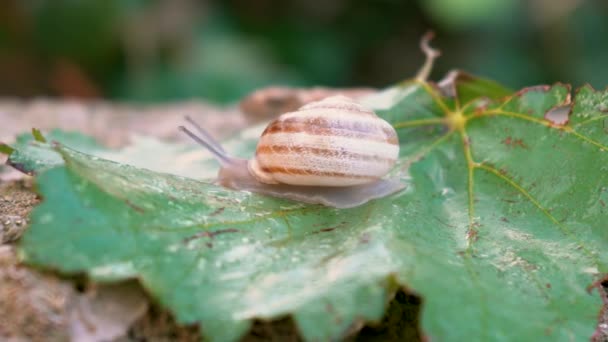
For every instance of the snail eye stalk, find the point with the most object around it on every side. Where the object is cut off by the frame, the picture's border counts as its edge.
(207, 142)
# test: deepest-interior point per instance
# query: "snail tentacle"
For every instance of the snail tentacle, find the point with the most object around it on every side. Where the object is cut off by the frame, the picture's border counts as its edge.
(210, 144)
(203, 132)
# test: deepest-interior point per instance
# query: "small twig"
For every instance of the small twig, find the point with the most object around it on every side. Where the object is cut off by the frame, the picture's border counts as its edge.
(430, 53)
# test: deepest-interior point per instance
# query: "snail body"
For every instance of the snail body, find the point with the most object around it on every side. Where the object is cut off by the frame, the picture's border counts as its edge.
(333, 152)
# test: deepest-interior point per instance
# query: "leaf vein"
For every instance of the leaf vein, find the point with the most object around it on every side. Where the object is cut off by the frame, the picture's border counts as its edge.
(538, 205)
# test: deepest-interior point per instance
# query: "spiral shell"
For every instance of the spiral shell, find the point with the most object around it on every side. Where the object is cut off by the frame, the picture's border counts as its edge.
(332, 142)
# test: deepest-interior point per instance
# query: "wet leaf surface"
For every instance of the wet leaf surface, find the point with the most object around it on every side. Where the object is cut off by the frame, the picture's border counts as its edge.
(499, 230)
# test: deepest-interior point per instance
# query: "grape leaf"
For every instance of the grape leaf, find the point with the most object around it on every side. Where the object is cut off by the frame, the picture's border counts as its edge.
(500, 229)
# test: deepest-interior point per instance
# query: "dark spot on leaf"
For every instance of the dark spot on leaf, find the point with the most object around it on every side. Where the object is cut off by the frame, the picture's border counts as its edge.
(209, 244)
(602, 203)
(511, 142)
(223, 231)
(504, 219)
(218, 211)
(548, 285)
(329, 229)
(135, 207)
(210, 234)
(444, 223)
(472, 234)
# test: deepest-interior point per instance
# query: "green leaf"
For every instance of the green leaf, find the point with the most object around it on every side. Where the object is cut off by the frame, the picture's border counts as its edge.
(6, 149)
(31, 157)
(83, 142)
(32, 153)
(470, 88)
(500, 230)
(38, 135)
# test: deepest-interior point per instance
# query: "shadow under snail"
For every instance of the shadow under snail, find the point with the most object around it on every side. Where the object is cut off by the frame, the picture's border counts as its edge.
(332, 152)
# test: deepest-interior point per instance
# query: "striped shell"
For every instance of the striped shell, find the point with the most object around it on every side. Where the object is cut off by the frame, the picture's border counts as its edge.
(332, 142)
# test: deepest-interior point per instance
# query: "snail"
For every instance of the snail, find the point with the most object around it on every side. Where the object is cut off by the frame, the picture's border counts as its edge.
(332, 152)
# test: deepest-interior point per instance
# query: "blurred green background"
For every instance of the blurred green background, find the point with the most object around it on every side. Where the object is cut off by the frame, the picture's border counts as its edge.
(151, 51)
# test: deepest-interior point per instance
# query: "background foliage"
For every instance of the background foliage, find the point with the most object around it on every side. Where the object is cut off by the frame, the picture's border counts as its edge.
(220, 50)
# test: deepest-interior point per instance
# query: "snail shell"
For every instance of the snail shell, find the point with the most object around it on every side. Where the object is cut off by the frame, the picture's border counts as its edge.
(333, 152)
(333, 142)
